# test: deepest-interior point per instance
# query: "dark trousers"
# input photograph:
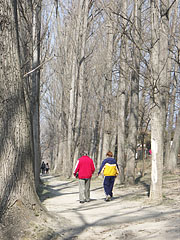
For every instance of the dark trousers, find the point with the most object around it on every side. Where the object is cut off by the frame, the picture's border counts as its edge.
(108, 184)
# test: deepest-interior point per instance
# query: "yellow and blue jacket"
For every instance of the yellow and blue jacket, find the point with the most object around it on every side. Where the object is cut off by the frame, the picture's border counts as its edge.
(109, 167)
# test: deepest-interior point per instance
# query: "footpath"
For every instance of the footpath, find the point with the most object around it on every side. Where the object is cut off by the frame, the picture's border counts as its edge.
(130, 215)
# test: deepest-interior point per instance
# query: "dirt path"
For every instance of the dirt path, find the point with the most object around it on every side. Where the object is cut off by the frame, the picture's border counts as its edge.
(128, 216)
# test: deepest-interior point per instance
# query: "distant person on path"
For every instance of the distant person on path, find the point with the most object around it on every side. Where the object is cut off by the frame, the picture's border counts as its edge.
(43, 167)
(110, 170)
(83, 170)
(47, 168)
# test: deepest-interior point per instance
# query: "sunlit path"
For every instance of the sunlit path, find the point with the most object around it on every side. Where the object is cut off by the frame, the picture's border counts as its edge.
(112, 220)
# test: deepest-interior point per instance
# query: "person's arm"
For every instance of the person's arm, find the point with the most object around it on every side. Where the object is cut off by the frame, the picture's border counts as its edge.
(101, 167)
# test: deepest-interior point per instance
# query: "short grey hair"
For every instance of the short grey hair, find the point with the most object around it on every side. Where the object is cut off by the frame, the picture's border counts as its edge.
(85, 153)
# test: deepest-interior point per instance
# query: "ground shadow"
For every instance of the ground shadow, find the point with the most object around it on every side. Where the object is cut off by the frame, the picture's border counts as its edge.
(123, 218)
(48, 191)
(147, 186)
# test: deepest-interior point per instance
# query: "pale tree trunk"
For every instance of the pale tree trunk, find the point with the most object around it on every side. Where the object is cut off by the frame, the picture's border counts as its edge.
(71, 117)
(80, 84)
(157, 156)
(107, 119)
(62, 102)
(175, 147)
(60, 132)
(157, 140)
(65, 98)
(16, 172)
(99, 157)
(134, 103)
(167, 160)
(172, 93)
(94, 142)
(159, 77)
(36, 88)
(121, 105)
(163, 61)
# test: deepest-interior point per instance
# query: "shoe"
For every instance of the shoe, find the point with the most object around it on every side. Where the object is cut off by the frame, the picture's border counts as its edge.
(88, 200)
(81, 201)
(108, 198)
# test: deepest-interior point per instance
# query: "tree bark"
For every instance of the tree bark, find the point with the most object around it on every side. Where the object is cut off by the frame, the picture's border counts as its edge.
(36, 25)
(108, 105)
(157, 140)
(121, 105)
(134, 101)
(175, 147)
(159, 79)
(71, 116)
(16, 153)
(172, 82)
(82, 45)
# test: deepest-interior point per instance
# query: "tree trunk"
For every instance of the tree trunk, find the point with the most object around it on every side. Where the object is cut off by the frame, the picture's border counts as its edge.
(83, 34)
(36, 89)
(16, 173)
(159, 79)
(121, 139)
(108, 124)
(157, 143)
(71, 117)
(134, 103)
(167, 160)
(100, 157)
(172, 81)
(175, 147)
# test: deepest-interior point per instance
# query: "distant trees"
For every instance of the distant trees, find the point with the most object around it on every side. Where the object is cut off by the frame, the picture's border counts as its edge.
(113, 78)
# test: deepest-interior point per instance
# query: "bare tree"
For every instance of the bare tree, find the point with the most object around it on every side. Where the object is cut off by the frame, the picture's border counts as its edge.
(159, 65)
(134, 99)
(122, 95)
(36, 35)
(16, 143)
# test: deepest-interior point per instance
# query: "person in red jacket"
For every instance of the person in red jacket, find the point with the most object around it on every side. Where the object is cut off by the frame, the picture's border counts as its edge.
(83, 170)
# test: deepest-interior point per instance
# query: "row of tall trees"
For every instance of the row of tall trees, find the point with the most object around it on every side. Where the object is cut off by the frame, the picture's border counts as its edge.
(114, 77)
(112, 67)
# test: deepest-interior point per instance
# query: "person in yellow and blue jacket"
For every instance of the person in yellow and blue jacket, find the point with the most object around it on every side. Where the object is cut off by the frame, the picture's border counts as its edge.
(110, 170)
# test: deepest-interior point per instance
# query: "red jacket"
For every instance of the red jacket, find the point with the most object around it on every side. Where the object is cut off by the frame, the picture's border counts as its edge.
(84, 167)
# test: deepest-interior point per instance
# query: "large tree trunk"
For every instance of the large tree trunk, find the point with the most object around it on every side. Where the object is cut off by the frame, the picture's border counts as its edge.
(157, 141)
(16, 173)
(159, 77)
